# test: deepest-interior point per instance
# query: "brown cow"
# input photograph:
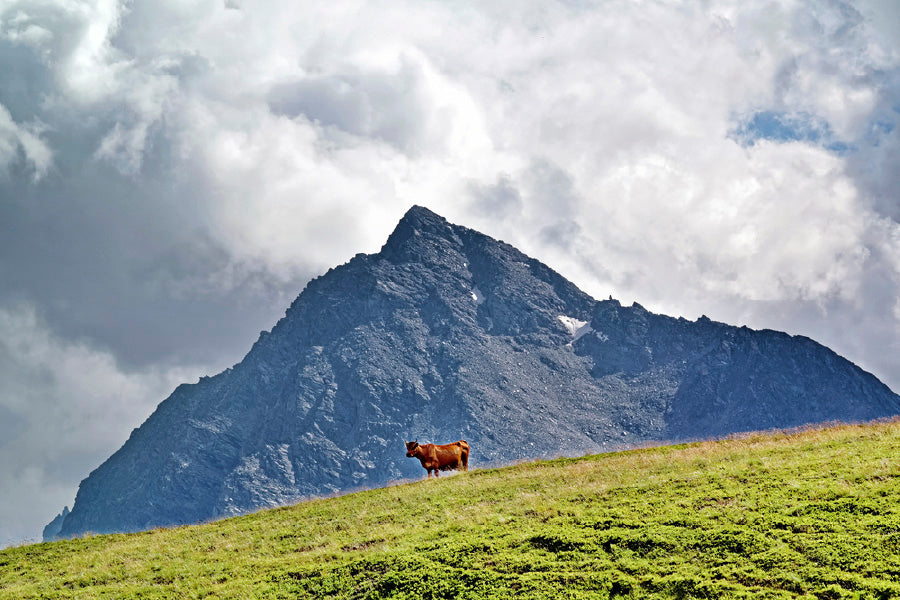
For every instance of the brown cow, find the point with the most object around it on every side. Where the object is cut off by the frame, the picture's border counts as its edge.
(440, 457)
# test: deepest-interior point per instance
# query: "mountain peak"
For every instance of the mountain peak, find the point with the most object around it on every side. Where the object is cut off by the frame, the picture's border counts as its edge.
(419, 228)
(422, 214)
(421, 219)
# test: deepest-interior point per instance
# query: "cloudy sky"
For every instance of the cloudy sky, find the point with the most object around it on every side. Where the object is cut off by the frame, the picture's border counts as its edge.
(172, 173)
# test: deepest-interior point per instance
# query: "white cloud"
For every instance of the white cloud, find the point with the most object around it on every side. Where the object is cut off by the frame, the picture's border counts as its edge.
(773, 222)
(20, 143)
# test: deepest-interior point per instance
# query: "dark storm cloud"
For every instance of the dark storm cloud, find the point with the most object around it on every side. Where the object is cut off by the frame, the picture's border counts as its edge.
(387, 106)
(498, 200)
(11, 425)
(875, 164)
(130, 267)
(552, 187)
(25, 80)
(115, 258)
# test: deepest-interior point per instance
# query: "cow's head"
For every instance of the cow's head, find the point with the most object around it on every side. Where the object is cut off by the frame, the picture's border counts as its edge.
(411, 448)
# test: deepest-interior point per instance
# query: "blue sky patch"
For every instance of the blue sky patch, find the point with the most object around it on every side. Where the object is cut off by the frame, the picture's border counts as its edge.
(788, 127)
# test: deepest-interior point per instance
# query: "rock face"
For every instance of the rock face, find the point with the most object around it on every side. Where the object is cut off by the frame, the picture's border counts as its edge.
(51, 531)
(447, 334)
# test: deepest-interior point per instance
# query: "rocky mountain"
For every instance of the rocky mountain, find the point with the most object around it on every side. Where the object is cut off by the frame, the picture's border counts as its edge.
(445, 334)
(51, 531)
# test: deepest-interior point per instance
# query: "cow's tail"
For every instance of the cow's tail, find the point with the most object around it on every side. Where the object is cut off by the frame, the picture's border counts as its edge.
(463, 454)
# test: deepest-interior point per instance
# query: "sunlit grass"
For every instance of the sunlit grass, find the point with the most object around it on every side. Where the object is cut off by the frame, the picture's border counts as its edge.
(811, 514)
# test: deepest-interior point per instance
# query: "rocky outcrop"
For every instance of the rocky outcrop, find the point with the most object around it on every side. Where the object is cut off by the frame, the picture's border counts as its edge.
(447, 334)
(51, 531)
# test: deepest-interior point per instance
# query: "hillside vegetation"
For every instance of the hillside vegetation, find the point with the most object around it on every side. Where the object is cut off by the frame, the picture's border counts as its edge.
(811, 514)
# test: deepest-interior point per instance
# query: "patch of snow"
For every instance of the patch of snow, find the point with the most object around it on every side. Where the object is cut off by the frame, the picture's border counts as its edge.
(571, 323)
(601, 336)
(576, 327)
(477, 296)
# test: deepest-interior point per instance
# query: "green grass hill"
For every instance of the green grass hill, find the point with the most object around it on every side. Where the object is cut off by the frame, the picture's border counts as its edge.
(809, 514)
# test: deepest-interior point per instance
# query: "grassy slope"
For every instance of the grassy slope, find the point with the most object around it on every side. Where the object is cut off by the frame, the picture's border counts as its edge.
(813, 514)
